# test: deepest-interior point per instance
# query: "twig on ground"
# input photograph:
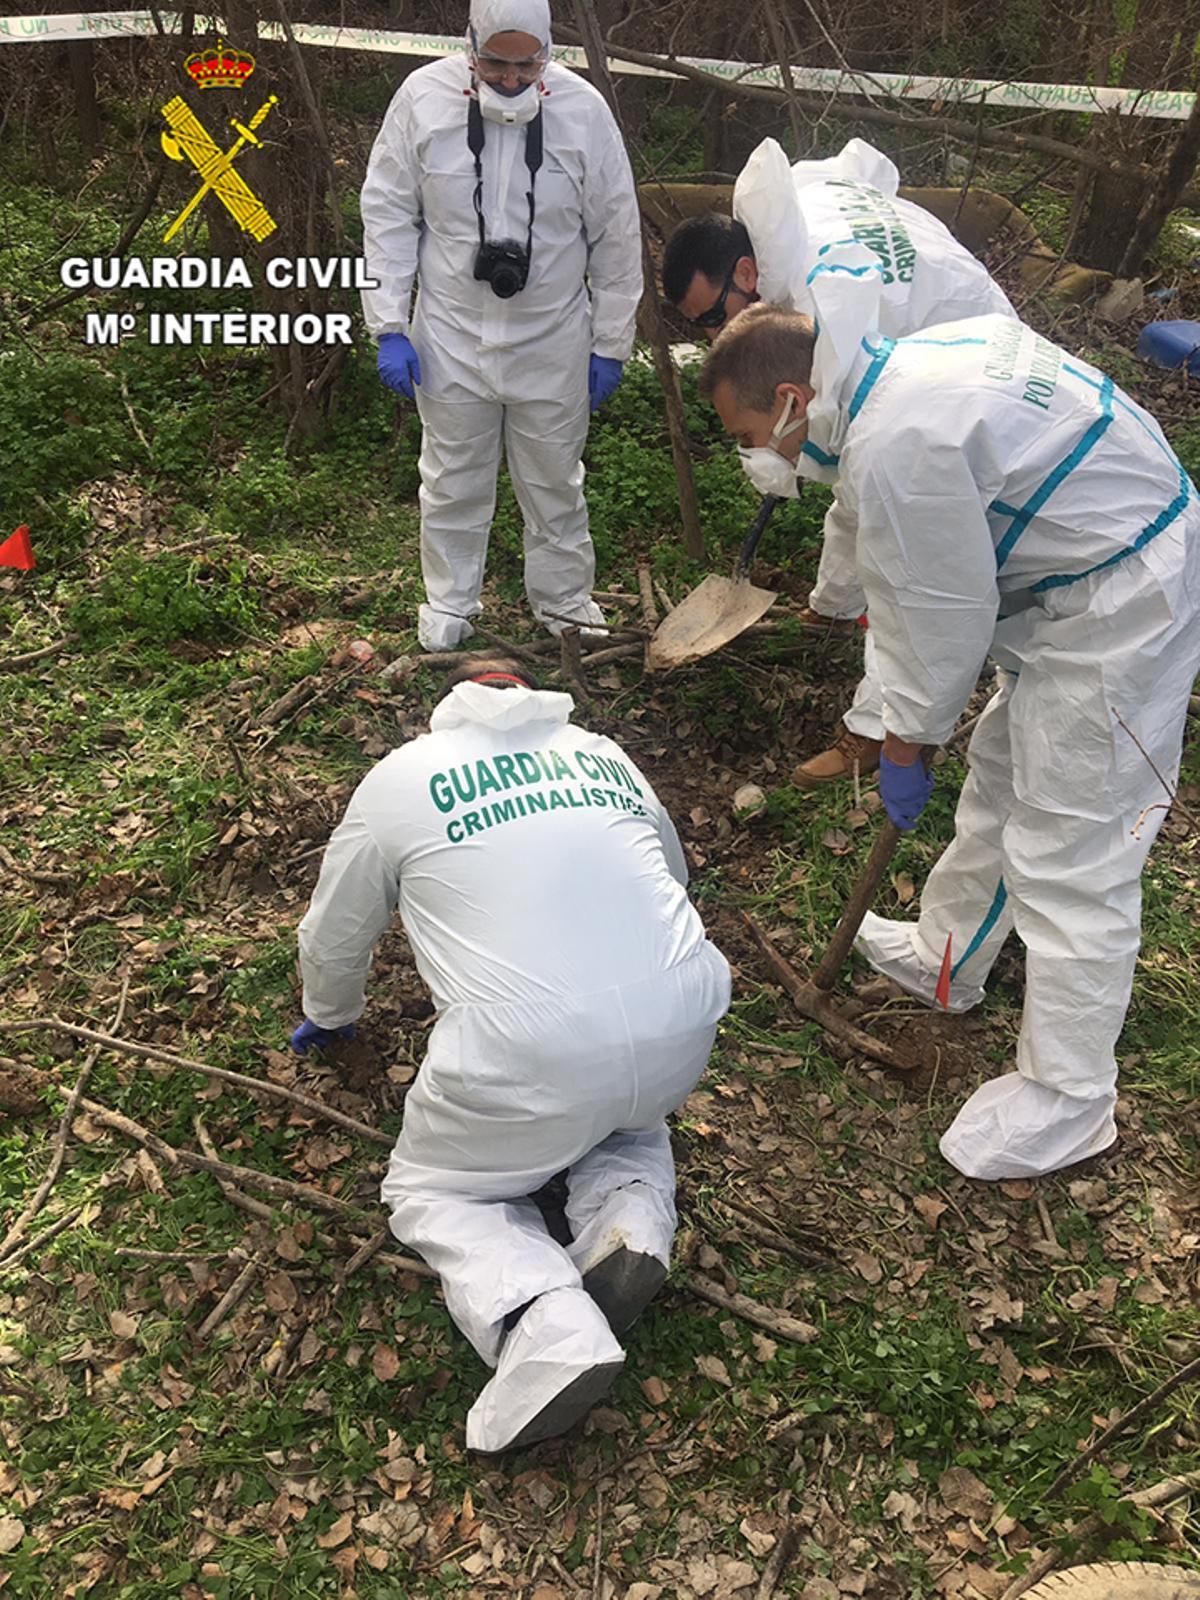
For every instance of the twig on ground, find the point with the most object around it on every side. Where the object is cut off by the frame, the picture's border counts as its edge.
(52, 880)
(364, 1253)
(244, 1202)
(220, 1074)
(774, 1321)
(230, 1298)
(597, 1569)
(133, 421)
(522, 652)
(161, 1257)
(64, 1131)
(781, 1556)
(248, 1177)
(1123, 1423)
(1159, 1494)
(664, 598)
(572, 661)
(646, 590)
(11, 663)
(772, 1238)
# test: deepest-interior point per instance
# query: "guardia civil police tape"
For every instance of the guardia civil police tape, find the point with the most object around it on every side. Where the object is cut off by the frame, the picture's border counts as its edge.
(1166, 104)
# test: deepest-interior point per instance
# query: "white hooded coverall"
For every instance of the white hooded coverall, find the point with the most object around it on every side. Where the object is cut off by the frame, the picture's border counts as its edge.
(494, 371)
(1010, 499)
(542, 887)
(794, 214)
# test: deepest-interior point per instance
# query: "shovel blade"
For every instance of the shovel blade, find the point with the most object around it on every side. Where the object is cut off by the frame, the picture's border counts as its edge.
(715, 612)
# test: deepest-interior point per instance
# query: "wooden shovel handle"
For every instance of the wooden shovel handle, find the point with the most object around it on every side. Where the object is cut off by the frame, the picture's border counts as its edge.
(861, 896)
(857, 905)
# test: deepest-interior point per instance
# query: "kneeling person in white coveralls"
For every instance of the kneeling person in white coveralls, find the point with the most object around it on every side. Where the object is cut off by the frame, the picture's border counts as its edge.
(1008, 500)
(542, 888)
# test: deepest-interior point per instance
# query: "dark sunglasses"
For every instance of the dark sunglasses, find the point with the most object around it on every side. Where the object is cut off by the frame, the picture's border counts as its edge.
(714, 317)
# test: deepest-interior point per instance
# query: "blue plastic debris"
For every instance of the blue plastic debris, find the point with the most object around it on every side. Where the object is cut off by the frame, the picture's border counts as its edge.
(1170, 344)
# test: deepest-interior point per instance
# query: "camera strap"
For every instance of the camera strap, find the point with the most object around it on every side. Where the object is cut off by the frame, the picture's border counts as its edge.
(533, 161)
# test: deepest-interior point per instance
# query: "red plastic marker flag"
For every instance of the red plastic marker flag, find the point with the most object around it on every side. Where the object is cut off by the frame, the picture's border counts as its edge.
(16, 551)
(942, 993)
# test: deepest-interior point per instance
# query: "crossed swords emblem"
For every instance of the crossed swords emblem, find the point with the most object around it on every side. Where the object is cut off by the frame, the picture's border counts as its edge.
(189, 140)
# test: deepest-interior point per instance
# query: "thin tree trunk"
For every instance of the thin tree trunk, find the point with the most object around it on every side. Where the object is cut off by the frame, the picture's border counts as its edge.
(81, 57)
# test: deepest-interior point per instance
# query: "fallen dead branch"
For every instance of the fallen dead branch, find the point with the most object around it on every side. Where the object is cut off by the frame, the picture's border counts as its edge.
(244, 1202)
(148, 1052)
(247, 1177)
(781, 1557)
(1123, 1423)
(1159, 1494)
(774, 1321)
(230, 1298)
(12, 663)
(60, 1141)
(772, 1238)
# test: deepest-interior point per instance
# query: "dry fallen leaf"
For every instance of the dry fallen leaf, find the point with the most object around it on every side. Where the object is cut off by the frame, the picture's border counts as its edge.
(713, 1367)
(867, 1266)
(12, 1531)
(964, 1494)
(930, 1208)
(122, 1324)
(385, 1363)
(655, 1391)
(337, 1534)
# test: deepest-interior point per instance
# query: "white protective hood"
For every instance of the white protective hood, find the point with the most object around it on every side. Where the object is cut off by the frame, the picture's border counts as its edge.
(845, 285)
(481, 705)
(766, 199)
(489, 17)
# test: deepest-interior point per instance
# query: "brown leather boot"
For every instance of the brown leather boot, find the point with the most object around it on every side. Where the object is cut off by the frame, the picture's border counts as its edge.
(833, 626)
(838, 763)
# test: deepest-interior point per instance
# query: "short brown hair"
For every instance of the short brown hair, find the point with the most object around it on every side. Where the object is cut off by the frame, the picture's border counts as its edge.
(477, 666)
(762, 347)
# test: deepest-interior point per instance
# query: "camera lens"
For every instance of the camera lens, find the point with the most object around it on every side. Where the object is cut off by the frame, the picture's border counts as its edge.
(505, 281)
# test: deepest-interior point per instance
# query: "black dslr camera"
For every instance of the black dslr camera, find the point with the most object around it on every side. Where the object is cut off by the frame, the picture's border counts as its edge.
(505, 265)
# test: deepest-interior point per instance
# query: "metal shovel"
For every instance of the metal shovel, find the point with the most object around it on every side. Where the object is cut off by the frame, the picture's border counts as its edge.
(716, 611)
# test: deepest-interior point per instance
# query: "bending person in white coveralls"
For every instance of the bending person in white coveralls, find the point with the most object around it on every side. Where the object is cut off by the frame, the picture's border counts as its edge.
(1009, 500)
(499, 183)
(785, 219)
(542, 888)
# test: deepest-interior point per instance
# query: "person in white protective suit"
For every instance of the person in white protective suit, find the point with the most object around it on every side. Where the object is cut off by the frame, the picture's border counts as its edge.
(784, 219)
(1008, 500)
(500, 183)
(543, 890)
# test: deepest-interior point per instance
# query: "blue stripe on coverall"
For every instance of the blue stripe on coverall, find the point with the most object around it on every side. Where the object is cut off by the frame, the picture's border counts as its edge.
(984, 928)
(1025, 515)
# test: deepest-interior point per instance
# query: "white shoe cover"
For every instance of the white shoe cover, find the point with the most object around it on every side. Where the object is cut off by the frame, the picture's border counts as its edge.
(562, 1337)
(587, 611)
(888, 947)
(1014, 1127)
(441, 630)
(634, 1217)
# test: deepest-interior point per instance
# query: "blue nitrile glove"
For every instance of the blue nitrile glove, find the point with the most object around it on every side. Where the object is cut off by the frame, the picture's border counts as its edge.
(604, 374)
(308, 1034)
(904, 790)
(399, 364)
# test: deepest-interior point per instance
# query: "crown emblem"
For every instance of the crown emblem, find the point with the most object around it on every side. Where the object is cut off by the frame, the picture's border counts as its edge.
(219, 67)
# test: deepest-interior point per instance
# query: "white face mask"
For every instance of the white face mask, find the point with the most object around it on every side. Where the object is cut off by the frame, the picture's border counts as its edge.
(768, 470)
(504, 108)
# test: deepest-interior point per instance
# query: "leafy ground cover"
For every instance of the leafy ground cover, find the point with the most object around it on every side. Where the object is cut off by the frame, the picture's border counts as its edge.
(221, 1394)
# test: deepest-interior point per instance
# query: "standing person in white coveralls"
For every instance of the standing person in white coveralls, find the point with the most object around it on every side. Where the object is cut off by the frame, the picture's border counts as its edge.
(784, 220)
(543, 890)
(1008, 500)
(499, 183)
